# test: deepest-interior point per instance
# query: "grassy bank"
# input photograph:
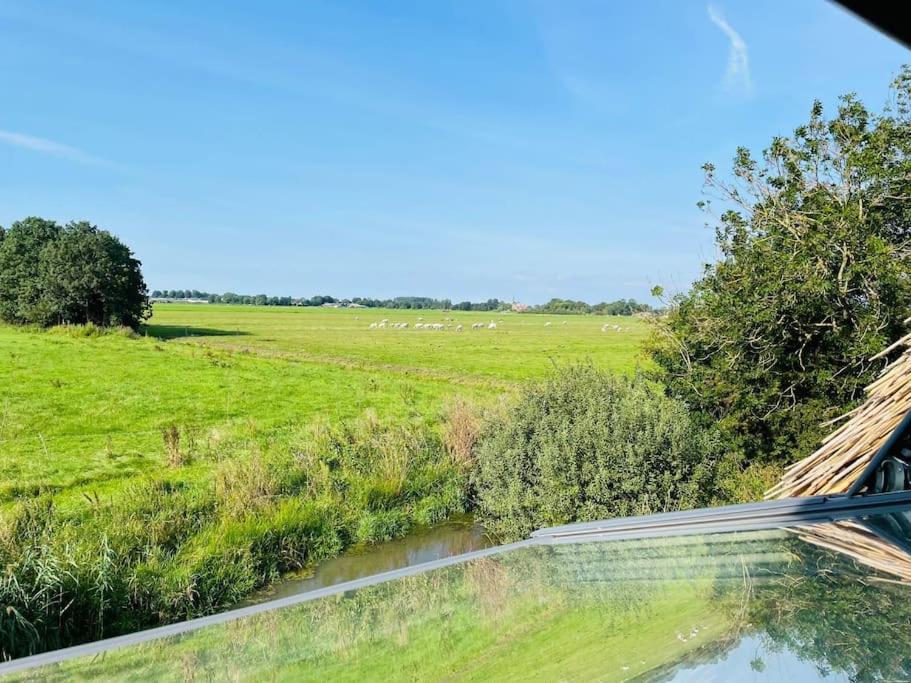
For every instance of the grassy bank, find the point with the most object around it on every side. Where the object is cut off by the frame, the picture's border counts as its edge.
(215, 525)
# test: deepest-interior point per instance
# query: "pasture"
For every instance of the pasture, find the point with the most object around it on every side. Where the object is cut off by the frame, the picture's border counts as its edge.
(79, 410)
(522, 346)
(173, 472)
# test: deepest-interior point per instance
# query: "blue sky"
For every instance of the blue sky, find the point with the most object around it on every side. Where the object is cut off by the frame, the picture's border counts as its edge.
(466, 149)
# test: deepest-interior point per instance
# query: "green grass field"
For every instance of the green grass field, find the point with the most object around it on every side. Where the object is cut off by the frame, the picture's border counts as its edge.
(75, 412)
(158, 477)
(522, 346)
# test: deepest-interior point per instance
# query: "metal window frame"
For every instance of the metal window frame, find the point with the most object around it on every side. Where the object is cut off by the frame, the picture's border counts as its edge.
(888, 449)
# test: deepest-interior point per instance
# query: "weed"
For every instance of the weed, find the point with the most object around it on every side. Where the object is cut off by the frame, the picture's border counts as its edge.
(461, 428)
(171, 437)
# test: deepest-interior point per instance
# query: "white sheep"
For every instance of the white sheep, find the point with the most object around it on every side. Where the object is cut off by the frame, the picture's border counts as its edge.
(492, 325)
(372, 326)
(458, 328)
(548, 324)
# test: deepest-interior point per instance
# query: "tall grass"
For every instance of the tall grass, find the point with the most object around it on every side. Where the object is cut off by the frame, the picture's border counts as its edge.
(171, 547)
(91, 330)
(461, 428)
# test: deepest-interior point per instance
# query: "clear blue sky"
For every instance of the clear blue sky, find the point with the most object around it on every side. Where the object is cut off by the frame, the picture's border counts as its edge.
(465, 149)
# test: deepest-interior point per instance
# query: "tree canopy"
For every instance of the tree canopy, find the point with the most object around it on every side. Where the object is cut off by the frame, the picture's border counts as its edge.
(72, 274)
(814, 278)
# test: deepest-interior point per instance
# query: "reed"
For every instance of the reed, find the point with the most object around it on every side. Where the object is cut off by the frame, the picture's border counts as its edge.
(844, 453)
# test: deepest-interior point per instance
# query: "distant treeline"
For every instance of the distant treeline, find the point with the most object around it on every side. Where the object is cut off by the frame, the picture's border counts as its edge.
(555, 306)
(412, 302)
(570, 307)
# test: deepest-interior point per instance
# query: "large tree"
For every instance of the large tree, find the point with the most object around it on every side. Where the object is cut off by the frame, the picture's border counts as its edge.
(74, 274)
(20, 255)
(814, 278)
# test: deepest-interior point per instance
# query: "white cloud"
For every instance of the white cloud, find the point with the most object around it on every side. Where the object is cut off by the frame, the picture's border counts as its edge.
(48, 147)
(737, 77)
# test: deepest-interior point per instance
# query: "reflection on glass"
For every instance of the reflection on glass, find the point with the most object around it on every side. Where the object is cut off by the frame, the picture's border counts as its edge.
(827, 601)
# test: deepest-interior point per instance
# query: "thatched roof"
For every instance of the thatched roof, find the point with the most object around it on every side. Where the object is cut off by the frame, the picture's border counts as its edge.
(862, 544)
(846, 452)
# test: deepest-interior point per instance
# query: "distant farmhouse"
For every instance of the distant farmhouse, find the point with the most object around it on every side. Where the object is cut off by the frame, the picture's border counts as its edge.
(519, 308)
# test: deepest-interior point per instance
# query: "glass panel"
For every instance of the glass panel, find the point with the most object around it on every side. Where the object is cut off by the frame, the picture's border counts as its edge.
(819, 602)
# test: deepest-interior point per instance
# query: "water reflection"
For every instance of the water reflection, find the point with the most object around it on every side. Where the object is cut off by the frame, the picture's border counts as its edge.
(820, 602)
(455, 537)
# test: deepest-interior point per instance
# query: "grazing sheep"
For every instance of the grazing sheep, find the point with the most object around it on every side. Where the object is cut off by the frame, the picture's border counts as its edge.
(372, 326)
(492, 325)
(563, 323)
(548, 324)
(458, 328)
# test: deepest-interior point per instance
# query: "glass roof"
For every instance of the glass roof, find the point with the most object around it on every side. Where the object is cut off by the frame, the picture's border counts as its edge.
(821, 601)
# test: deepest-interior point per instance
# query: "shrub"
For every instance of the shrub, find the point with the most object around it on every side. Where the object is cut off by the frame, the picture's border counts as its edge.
(587, 445)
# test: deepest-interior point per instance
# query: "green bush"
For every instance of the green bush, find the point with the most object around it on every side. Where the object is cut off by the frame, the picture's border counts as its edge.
(587, 445)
